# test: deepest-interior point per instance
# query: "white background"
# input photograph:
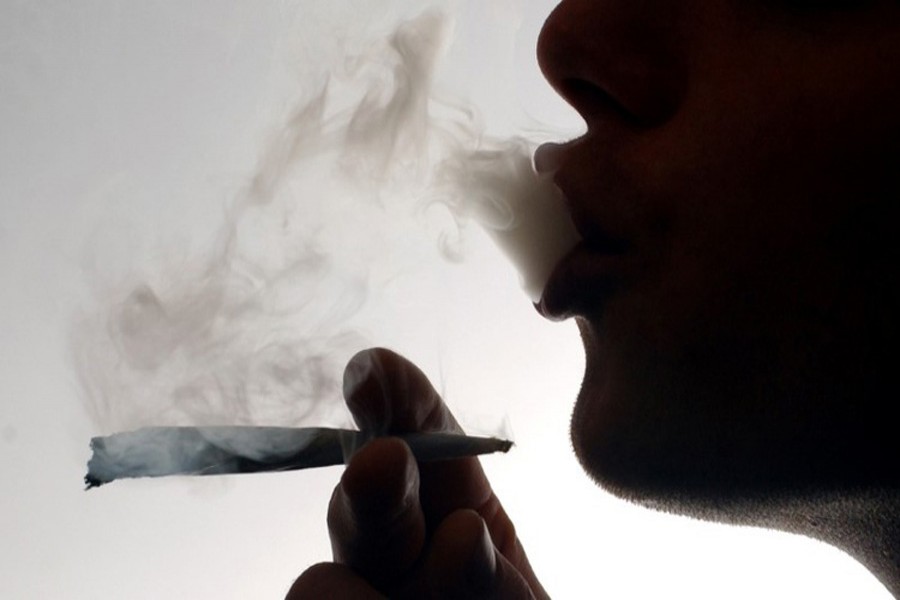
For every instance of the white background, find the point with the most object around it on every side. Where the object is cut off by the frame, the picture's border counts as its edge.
(142, 118)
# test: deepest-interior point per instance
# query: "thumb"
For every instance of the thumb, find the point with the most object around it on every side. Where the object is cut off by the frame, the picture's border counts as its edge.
(462, 563)
(386, 393)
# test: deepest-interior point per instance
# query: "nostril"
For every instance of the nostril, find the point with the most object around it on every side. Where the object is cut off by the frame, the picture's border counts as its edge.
(593, 102)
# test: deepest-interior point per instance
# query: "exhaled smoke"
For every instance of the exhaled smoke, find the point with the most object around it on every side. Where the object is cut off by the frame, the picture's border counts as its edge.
(257, 330)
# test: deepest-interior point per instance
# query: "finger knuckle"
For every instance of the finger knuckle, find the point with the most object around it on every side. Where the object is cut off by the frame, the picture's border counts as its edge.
(311, 582)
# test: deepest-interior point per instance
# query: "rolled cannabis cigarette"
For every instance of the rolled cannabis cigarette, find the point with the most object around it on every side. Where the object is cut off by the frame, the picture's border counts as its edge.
(162, 451)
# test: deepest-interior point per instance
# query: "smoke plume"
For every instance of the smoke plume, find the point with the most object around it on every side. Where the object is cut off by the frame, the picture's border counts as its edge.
(370, 164)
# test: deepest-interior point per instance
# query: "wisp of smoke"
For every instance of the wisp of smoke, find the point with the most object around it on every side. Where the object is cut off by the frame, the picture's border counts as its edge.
(255, 332)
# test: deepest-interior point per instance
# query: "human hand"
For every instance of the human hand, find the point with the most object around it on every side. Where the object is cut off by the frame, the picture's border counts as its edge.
(403, 530)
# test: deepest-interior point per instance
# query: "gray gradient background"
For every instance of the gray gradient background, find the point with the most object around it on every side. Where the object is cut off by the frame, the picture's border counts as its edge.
(140, 119)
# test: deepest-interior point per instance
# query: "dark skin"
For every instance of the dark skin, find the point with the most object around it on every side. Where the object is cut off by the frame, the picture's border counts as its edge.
(737, 293)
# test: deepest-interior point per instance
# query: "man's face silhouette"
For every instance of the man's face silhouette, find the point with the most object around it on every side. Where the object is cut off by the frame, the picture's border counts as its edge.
(736, 189)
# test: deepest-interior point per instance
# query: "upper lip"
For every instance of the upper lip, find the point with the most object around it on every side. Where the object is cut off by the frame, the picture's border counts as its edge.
(552, 157)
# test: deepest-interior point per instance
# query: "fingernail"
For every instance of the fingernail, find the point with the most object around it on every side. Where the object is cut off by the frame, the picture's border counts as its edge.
(411, 485)
(356, 372)
(482, 566)
(383, 482)
(361, 391)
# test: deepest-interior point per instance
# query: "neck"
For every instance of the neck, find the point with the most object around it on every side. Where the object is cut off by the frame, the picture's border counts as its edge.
(865, 525)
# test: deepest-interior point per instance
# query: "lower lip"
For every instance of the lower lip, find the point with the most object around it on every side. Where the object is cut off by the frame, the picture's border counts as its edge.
(581, 283)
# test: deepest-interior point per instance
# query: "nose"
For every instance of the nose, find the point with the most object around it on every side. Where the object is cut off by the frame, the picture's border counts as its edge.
(616, 59)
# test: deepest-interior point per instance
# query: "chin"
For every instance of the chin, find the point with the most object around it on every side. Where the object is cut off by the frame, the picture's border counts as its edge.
(615, 431)
(652, 431)
(627, 459)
